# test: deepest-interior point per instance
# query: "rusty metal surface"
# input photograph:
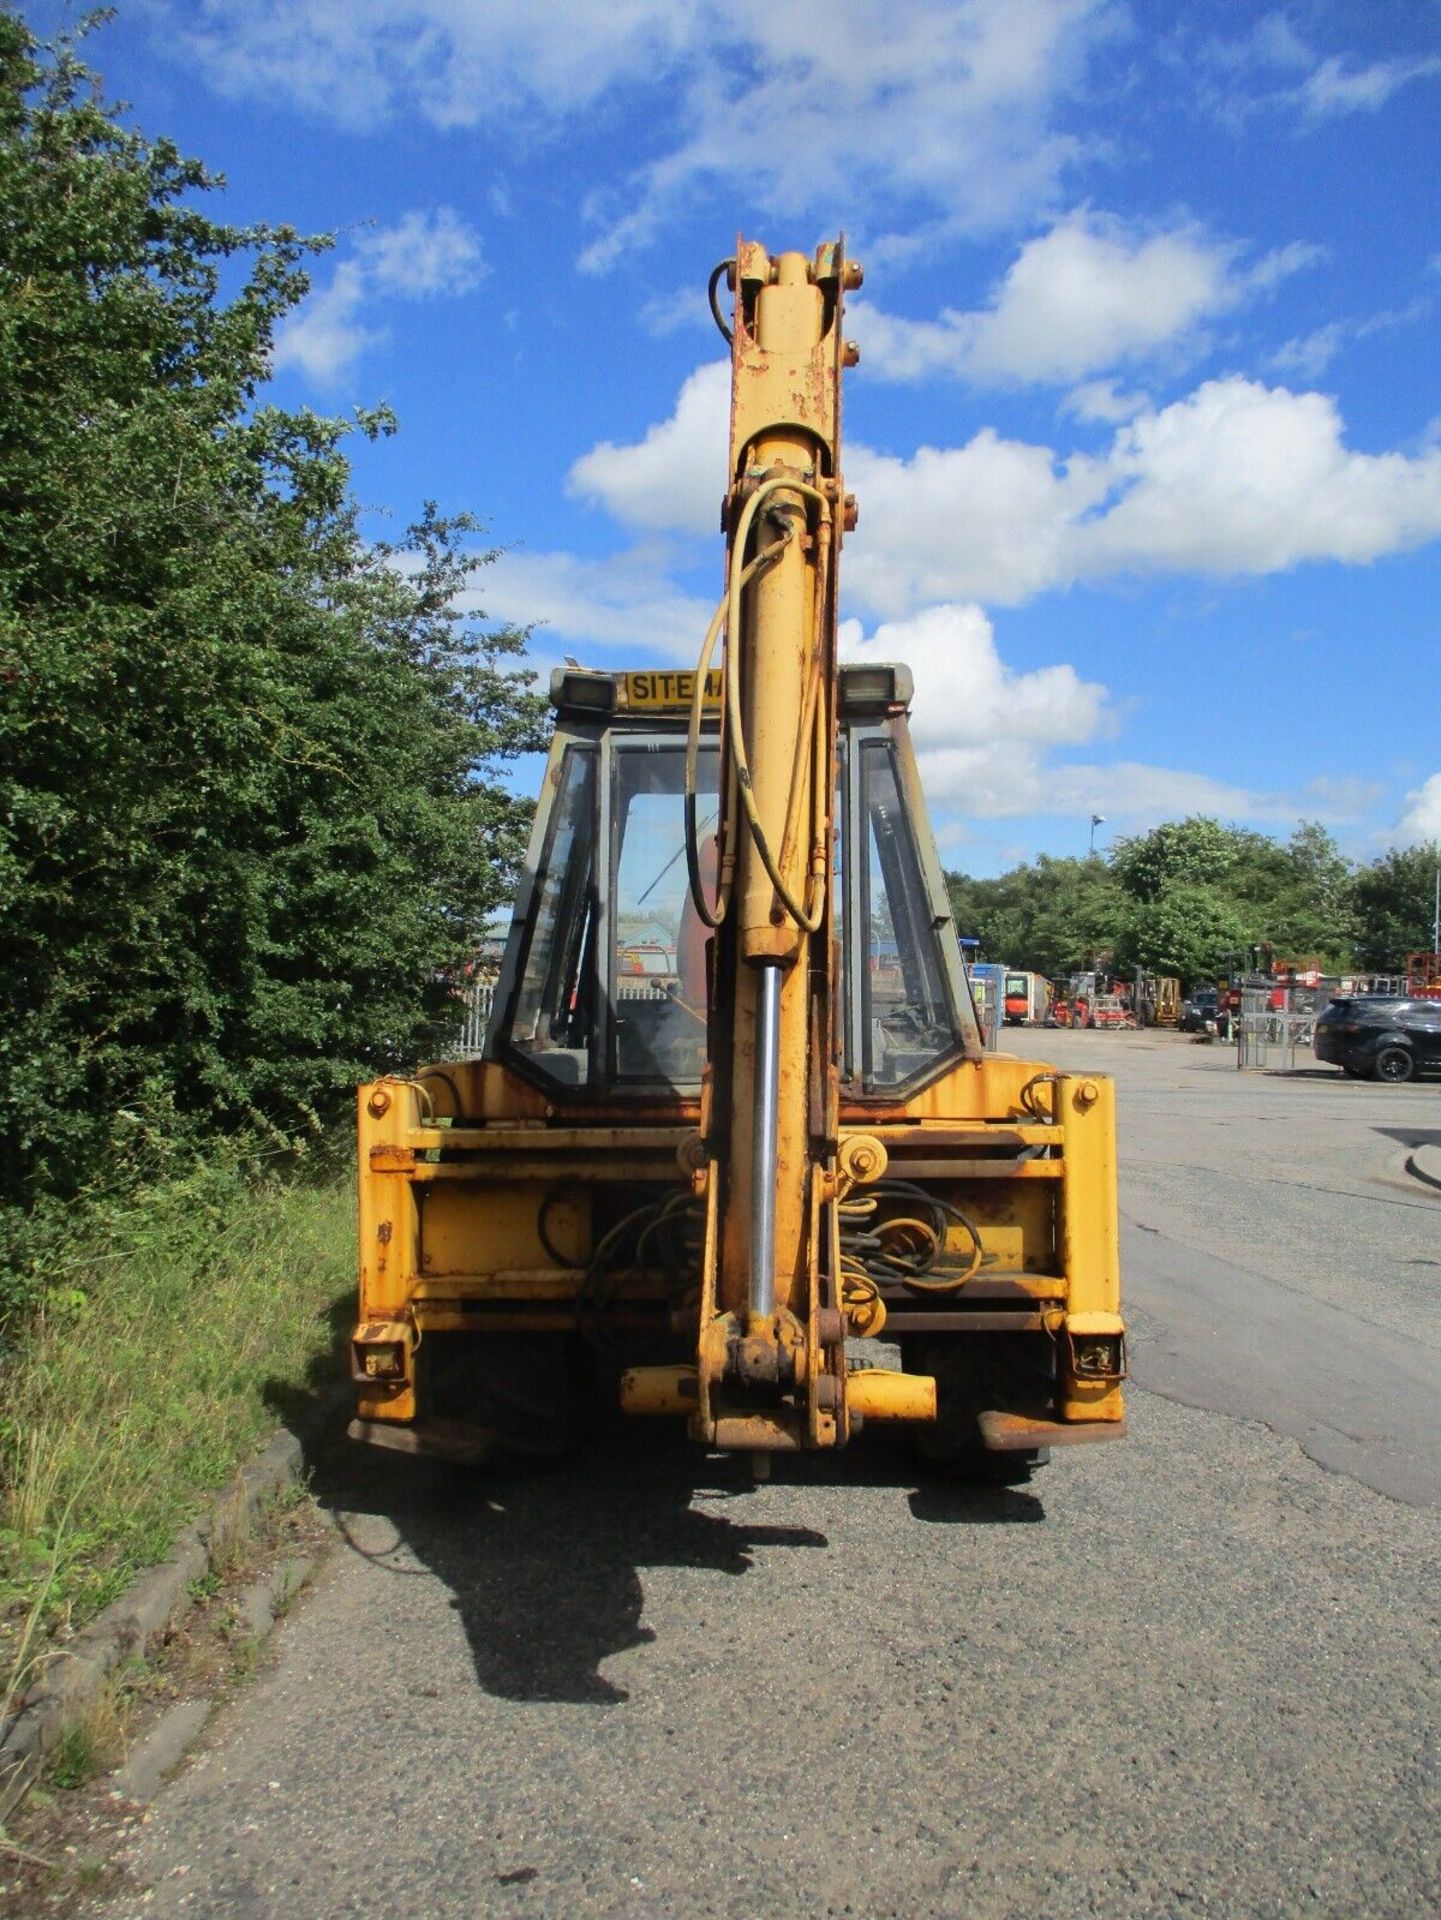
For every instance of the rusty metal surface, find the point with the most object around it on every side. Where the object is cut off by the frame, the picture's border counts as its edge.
(962, 1169)
(553, 1140)
(1018, 1432)
(961, 1320)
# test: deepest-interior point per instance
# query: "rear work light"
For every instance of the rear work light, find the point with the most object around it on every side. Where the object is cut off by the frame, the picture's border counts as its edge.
(380, 1351)
(876, 689)
(578, 690)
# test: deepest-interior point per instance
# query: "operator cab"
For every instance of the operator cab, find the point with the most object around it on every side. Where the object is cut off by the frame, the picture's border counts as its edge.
(603, 988)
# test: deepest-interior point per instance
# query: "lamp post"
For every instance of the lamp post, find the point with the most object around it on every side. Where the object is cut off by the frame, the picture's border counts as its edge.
(1097, 820)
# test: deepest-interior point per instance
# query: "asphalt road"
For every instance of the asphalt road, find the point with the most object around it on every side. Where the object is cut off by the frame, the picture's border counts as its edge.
(1194, 1671)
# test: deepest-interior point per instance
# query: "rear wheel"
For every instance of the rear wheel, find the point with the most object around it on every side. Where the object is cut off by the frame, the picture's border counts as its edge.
(1394, 1064)
(973, 1373)
(528, 1396)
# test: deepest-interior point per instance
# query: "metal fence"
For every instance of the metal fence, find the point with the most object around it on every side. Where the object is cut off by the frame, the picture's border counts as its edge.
(479, 998)
(1276, 1026)
(986, 993)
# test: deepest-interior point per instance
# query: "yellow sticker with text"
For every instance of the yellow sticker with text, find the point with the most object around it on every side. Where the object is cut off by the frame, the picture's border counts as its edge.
(668, 689)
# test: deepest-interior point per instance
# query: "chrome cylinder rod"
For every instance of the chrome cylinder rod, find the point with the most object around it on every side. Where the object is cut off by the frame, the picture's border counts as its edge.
(762, 1295)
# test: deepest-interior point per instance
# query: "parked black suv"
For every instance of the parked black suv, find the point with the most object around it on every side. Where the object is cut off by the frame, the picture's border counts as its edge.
(1203, 1005)
(1380, 1036)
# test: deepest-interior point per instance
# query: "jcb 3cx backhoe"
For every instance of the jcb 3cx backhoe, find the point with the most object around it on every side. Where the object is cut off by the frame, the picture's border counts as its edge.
(733, 1114)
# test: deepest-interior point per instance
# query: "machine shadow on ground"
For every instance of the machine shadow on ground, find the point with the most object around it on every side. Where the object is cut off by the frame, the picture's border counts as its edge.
(544, 1562)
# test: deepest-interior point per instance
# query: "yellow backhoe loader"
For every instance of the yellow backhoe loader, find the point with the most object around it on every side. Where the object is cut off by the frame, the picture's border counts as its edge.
(734, 1139)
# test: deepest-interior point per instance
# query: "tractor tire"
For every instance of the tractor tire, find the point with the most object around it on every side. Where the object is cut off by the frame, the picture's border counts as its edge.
(975, 1372)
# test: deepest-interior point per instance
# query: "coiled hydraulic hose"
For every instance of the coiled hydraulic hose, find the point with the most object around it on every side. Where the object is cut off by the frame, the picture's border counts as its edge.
(922, 1270)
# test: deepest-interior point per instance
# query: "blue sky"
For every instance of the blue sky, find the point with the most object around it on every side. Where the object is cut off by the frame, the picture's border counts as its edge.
(1147, 428)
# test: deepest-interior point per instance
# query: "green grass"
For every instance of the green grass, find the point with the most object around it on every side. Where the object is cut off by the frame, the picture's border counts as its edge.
(178, 1330)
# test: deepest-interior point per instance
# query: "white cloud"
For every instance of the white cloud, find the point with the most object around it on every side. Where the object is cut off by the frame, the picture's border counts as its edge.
(422, 255)
(983, 731)
(1271, 66)
(624, 602)
(1241, 478)
(1084, 297)
(987, 734)
(325, 335)
(1333, 88)
(1237, 478)
(675, 477)
(1308, 355)
(1103, 400)
(683, 306)
(967, 696)
(993, 520)
(1127, 792)
(455, 62)
(1019, 781)
(949, 105)
(1421, 821)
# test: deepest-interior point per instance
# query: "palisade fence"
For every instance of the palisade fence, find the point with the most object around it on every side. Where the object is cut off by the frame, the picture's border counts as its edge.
(479, 998)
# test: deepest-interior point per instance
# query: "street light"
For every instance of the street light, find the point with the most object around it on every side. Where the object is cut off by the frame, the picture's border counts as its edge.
(1097, 820)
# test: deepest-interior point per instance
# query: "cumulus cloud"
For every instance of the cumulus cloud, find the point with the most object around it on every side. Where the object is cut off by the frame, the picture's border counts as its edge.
(1128, 792)
(624, 601)
(325, 336)
(1103, 400)
(966, 695)
(988, 734)
(663, 481)
(423, 255)
(1236, 478)
(1420, 823)
(993, 520)
(946, 106)
(1084, 297)
(1242, 478)
(991, 738)
(455, 62)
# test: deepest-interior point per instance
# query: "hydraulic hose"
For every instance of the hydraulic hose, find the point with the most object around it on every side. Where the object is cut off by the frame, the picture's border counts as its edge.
(709, 916)
(809, 732)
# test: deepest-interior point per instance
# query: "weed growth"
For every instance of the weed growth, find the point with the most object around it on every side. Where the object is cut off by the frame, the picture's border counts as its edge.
(176, 1324)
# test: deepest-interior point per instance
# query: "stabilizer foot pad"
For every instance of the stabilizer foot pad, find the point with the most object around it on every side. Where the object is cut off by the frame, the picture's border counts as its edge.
(1017, 1432)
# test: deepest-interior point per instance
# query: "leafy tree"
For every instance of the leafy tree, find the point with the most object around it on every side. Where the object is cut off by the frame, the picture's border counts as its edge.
(1190, 930)
(1307, 910)
(1192, 897)
(1049, 918)
(1394, 900)
(1197, 851)
(1292, 898)
(250, 806)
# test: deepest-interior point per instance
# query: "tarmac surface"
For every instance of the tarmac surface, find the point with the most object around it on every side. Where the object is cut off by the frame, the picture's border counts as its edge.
(1196, 1670)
